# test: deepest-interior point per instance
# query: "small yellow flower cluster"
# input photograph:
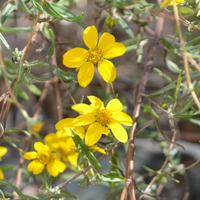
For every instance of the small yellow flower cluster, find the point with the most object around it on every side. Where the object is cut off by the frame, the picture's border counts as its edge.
(62, 144)
(95, 119)
(3, 151)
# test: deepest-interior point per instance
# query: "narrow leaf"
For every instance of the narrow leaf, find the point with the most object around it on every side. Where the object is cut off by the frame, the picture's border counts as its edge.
(84, 151)
(4, 42)
(124, 26)
(51, 49)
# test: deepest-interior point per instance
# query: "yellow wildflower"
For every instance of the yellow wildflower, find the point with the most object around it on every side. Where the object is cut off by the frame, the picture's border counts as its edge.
(65, 126)
(102, 119)
(84, 60)
(36, 127)
(44, 157)
(3, 151)
(64, 145)
(171, 3)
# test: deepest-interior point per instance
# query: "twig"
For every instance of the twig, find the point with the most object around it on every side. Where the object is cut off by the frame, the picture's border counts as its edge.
(130, 153)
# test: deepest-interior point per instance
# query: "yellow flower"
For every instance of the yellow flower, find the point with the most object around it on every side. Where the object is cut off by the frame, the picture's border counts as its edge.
(36, 127)
(65, 126)
(84, 60)
(102, 119)
(171, 3)
(44, 157)
(3, 151)
(64, 145)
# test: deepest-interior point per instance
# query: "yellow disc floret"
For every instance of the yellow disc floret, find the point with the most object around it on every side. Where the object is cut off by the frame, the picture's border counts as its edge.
(94, 55)
(44, 157)
(104, 117)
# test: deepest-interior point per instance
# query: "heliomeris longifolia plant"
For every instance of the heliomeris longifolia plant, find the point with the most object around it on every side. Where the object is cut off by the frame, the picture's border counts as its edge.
(123, 66)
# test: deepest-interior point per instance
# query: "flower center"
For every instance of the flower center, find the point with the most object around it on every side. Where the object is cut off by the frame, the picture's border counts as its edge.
(104, 117)
(44, 157)
(94, 55)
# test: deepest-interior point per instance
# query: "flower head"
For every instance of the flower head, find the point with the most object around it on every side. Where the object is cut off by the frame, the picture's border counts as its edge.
(101, 120)
(63, 145)
(44, 157)
(98, 53)
(171, 3)
(3, 151)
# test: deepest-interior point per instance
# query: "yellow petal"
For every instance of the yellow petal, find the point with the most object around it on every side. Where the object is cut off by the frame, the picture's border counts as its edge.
(1, 174)
(114, 50)
(39, 146)
(105, 39)
(80, 131)
(105, 130)
(55, 156)
(50, 138)
(122, 118)
(107, 70)
(90, 37)
(55, 167)
(84, 120)
(164, 3)
(119, 132)
(98, 149)
(72, 158)
(3, 151)
(82, 108)
(38, 168)
(86, 74)
(96, 103)
(67, 122)
(93, 134)
(75, 57)
(114, 105)
(30, 155)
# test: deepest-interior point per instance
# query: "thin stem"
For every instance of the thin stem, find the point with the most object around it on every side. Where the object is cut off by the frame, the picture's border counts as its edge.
(113, 90)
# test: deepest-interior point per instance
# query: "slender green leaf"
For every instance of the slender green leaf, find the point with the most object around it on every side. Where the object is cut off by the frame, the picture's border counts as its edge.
(148, 169)
(177, 90)
(4, 42)
(17, 29)
(172, 179)
(84, 151)
(39, 78)
(38, 6)
(22, 6)
(193, 42)
(67, 76)
(169, 46)
(51, 9)
(17, 130)
(51, 49)
(67, 194)
(112, 177)
(160, 92)
(23, 95)
(9, 64)
(63, 10)
(124, 26)
(161, 74)
(6, 11)
(149, 109)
